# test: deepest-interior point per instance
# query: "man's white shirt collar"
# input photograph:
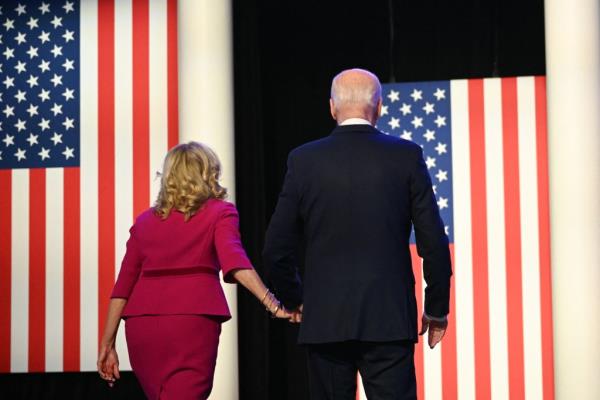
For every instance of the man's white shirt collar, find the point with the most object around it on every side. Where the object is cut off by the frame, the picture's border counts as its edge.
(355, 121)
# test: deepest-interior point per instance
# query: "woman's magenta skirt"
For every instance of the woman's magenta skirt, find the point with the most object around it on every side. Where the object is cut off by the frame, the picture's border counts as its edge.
(173, 356)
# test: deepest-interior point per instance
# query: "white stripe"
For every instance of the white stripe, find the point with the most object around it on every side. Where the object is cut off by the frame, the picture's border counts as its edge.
(54, 268)
(496, 238)
(532, 330)
(19, 302)
(361, 389)
(123, 145)
(432, 359)
(158, 92)
(89, 184)
(463, 261)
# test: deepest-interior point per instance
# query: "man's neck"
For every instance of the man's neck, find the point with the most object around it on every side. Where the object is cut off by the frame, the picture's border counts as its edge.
(354, 121)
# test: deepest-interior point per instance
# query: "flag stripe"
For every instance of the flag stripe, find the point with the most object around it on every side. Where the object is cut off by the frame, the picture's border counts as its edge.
(544, 239)
(495, 231)
(89, 184)
(106, 157)
(141, 129)
(419, 361)
(20, 271)
(172, 73)
(72, 273)
(514, 295)
(480, 246)
(463, 266)
(449, 373)
(37, 269)
(5, 269)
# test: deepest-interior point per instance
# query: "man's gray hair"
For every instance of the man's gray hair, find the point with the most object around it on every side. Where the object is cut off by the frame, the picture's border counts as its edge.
(366, 94)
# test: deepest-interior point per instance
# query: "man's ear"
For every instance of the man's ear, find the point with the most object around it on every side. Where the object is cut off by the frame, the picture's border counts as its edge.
(332, 109)
(379, 105)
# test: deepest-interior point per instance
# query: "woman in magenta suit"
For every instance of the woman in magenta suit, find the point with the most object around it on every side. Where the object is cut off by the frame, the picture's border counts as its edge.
(168, 290)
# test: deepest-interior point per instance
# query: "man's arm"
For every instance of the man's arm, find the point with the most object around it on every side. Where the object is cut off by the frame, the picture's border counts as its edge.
(282, 240)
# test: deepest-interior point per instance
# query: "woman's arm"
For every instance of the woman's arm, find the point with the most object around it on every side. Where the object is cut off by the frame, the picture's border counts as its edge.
(251, 281)
(108, 360)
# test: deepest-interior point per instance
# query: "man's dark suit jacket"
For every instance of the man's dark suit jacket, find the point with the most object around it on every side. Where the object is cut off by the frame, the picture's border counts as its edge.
(353, 197)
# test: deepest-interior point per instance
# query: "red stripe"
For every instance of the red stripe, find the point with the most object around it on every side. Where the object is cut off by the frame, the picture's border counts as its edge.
(479, 234)
(514, 295)
(5, 267)
(106, 157)
(418, 272)
(72, 252)
(37, 270)
(357, 387)
(544, 237)
(449, 379)
(141, 106)
(172, 73)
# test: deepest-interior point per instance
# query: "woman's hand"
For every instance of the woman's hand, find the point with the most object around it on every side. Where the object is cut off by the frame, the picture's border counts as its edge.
(108, 363)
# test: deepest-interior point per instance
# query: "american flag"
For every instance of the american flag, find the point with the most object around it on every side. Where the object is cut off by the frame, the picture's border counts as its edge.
(88, 108)
(485, 144)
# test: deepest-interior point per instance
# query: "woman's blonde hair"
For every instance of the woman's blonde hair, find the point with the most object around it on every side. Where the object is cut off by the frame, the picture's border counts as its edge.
(190, 177)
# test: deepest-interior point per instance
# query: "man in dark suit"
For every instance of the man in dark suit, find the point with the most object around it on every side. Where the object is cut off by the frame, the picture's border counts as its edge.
(353, 197)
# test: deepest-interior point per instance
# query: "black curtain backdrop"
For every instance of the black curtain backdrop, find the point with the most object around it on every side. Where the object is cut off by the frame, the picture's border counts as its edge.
(285, 55)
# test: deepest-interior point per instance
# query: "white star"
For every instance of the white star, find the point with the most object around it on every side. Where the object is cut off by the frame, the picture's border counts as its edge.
(9, 82)
(44, 66)
(9, 111)
(440, 121)
(33, 23)
(44, 8)
(429, 135)
(442, 203)
(442, 175)
(440, 94)
(20, 125)
(56, 51)
(68, 65)
(69, 123)
(394, 123)
(384, 110)
(417, 122)
(44, 37)
(32, 139)
(20, 9)
(20, 154)
(20, 38)
(68, 93)
(68, 153)
(428, 108)
(434, 187)
(33, 52)
(417, 95)
(32, 110)
(68, 35)
(406, 135)
(56, 80)
(56, 22)
(430, 161)
(44, 153)
(405, 109)
(44, 95)
(56, 138)
(20, 96)
(9, 24)
(0, 67)
(393, 96)
(20, 67)
(446, 229)
(9, 53)
(440, 148)
(32, 81)
(1, 38)
(44, 124)
(68, 7)
(8, 140)
(0, 155)
(56, 109)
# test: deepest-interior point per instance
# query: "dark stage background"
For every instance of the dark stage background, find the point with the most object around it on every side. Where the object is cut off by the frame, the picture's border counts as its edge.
(285, 55)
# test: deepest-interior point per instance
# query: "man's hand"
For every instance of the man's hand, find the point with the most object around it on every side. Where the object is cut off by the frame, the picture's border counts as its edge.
(437, 329)
(296, 316)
